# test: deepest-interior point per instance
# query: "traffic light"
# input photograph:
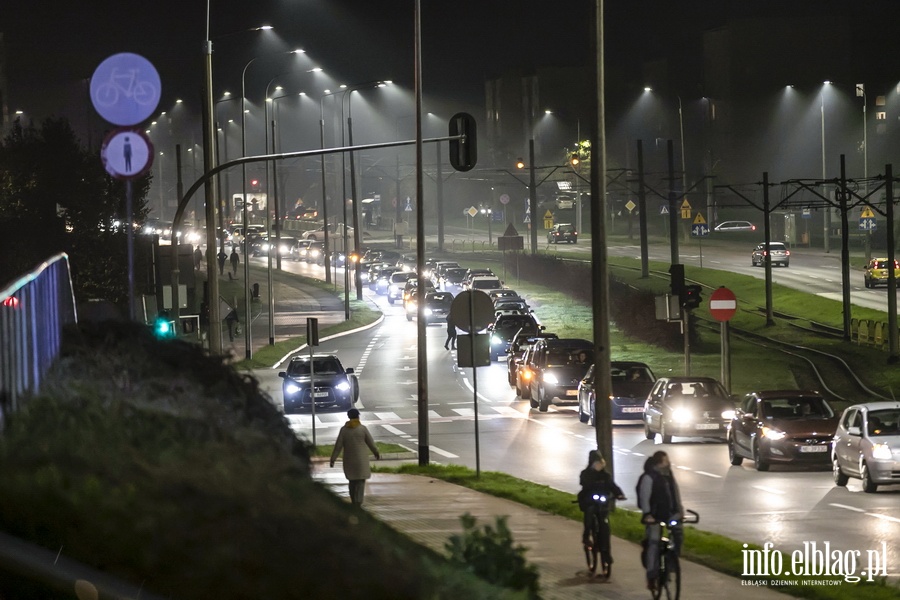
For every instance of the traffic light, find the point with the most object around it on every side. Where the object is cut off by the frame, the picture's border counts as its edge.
(676, 275)
(463, 152)
(163, 326)
(574, 160)
(691, 298)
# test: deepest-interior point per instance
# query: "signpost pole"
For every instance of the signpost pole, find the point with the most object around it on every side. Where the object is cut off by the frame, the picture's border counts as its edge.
(474, 382)
(725, 334)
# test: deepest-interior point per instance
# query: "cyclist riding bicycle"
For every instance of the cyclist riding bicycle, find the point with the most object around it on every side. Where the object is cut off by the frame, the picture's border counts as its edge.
(595, 481)
(660, 502)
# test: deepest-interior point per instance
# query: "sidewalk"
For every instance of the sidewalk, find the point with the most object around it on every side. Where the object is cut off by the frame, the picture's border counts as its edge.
(428, 510)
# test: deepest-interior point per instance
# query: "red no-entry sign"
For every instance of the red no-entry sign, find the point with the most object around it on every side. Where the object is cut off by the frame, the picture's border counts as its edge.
(722, 304)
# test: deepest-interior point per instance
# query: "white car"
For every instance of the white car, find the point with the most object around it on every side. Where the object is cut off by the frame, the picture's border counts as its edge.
(728, 226)
(866, 445)
(485, 283)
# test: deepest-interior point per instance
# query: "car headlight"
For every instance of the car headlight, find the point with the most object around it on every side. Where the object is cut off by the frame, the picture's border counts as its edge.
(728, 414)
(292, 388)
(410, 307)
(881, 451)
(428, 312)
(343, 386)
(496, 340)
(681, 415)
(771, 433)
(550, 378)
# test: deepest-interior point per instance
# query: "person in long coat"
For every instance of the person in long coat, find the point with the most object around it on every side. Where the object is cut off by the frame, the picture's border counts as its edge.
(355, 441)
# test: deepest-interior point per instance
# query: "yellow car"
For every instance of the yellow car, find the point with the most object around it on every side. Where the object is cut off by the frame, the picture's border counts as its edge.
(877, 272)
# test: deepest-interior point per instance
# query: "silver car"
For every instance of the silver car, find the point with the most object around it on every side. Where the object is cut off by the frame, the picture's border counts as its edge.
(780, 255)
(867, 445)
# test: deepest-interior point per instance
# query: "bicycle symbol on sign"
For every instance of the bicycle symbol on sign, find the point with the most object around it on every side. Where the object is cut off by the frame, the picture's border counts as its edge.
(124, 81)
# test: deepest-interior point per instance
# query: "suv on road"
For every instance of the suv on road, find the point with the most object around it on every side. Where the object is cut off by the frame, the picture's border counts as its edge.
(334, 385)
(556, 367)
(688, 407)
(778, 253)
(877, 272)
(562, 232)
(506, 327)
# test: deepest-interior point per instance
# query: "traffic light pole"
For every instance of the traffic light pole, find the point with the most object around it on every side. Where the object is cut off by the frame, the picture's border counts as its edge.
(686, 328)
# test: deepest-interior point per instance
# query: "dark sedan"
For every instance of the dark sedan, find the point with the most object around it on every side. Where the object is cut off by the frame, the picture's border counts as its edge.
(687, 407)
(782, 426)
(335, 387)
(631, 383)
(437, 306)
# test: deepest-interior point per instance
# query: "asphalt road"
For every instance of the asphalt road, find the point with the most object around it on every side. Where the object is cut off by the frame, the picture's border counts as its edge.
(785, 506)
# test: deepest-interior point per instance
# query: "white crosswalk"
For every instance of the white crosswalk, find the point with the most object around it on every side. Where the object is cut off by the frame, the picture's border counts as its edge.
(389, 418)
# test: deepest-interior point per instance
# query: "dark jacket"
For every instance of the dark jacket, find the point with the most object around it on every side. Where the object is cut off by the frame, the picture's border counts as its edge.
(596, 482)
(658, 495)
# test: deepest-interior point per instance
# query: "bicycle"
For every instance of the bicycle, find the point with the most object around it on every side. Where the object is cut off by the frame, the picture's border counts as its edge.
(668, 581)
(597, 550)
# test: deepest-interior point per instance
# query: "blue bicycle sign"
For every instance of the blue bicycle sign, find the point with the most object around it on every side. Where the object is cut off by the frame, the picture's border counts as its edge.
(125, 89)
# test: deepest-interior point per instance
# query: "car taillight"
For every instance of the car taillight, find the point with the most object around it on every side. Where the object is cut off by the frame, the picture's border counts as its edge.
(787, 252)
(526, 374)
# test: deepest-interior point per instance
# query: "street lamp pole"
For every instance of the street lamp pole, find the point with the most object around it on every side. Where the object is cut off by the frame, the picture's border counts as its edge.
(327, 259)
(245, 215)
(827, 217)
(209, 163)
(532, 200)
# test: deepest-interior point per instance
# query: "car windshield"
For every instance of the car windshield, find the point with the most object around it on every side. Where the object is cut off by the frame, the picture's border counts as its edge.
(569, 357)
(625, 374)
(486, 284)
(884, 422)
(796, 408)
(325, 365)
(696, 389)
(513, 323)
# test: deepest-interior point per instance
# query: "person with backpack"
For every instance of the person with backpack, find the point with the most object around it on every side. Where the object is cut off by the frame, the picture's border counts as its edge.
(659, 499)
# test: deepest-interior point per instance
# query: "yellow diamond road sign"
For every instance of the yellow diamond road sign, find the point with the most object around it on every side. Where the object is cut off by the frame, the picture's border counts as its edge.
(699, 220)
(867, 213)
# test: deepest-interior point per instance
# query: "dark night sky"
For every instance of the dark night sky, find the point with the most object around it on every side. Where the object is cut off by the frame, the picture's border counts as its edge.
(49, 53)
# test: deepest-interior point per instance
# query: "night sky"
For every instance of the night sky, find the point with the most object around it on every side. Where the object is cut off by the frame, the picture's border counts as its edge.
(51, 54)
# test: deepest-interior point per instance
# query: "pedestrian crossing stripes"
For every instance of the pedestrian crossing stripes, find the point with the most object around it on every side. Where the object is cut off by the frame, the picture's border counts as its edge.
(442, 414)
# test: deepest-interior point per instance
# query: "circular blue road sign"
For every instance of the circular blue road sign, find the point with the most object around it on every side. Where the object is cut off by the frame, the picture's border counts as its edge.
(125, 89)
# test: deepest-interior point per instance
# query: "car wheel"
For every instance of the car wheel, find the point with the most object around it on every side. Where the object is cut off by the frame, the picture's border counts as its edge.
(543, 401)
(647, 433)
(525, 394)
(761, 465)
(866, 282)
(289, 408)
(390, 301)
(512, 382)
(408, 317)
(735, 458)
(582, 416)
(533, 402)
(666, 438)
(593, 417)
(868, 486)
(787, 264)
(840, 479)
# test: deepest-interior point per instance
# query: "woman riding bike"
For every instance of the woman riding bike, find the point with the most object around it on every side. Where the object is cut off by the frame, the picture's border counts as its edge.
(660, 502)
(597, 491)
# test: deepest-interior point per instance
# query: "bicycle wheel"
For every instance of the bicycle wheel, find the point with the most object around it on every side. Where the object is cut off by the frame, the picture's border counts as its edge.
(669, 583)
(592, 551)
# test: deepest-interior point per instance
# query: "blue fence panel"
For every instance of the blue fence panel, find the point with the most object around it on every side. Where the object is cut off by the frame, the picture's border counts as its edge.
(33, 312)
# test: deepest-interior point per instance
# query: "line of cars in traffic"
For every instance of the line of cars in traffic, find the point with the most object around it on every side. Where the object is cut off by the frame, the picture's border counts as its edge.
(797, 427)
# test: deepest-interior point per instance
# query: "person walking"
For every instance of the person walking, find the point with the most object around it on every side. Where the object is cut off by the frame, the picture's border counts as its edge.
(235, 261)
(198, 257)
(221, 257)
(660, 501)
(451, 335)
(354, 440)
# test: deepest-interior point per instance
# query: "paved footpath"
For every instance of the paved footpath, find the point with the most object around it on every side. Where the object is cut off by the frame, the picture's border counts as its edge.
(428, 511)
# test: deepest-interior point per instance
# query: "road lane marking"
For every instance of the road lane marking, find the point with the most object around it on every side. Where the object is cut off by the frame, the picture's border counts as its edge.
(509, 411)
(387, 415)
(884, 517)
(708, 474)
(768, 489)
(394, 430)
(464, 412)
(853, 508)
(443, 453)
